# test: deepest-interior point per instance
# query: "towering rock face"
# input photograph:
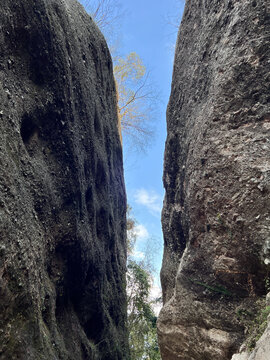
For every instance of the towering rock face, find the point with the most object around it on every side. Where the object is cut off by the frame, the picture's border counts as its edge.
(216, 218)
(62, 196)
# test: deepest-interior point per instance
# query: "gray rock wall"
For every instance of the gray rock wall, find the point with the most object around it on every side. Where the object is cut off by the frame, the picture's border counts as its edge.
(216, 218)
(62, 195)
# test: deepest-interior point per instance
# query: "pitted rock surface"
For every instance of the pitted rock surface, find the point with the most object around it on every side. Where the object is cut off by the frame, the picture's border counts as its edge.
(62, 195)
(216, 218)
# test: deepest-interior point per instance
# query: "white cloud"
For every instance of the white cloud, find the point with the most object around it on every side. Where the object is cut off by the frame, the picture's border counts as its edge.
(156, 293)
(151, 200)
(138, 255)
(141, 232)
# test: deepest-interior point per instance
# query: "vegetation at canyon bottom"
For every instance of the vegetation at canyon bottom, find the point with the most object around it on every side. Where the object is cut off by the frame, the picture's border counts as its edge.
(141, 316)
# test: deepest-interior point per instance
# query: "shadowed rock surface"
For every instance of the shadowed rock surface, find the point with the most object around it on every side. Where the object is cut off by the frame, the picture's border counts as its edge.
(62, 196)
(216, 219)
(257, 344)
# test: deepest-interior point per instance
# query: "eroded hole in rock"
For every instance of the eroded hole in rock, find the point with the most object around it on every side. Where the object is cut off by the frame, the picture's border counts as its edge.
(85, 351)
(37, 75)
(97, 123)
(57, 271)
(102, 223)
(86, 170)
(66, 273)
(91, 305)
(28, 129)
(101, 177)
(90, 204)
(108, 142)
(89, 195)
(109, 65)
(230, 5)
(90, 164)
(94, 327)
(46, 310)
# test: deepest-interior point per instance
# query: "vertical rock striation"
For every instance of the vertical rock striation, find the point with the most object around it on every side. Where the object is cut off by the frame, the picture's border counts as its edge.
(216, 218)
(62, 195)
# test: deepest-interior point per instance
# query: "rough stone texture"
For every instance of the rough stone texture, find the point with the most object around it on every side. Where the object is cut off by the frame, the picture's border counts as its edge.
(62, 196)
(261, 351)
(216, 219)
(262, 348)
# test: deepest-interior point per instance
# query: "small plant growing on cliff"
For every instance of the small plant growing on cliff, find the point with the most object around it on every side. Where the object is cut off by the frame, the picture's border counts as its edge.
(219, 289)
(254, 321)
(258, 327)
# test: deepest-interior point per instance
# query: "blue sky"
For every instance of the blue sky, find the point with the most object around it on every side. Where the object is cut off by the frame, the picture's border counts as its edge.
(145, 28)
(147, 31)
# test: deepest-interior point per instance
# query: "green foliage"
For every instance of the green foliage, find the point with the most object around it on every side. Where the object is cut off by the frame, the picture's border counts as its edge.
(243, 314)
(217, 288)
(141, 317)
(131, 234)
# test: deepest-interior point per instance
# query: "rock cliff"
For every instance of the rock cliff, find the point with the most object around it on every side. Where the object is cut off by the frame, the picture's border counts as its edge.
(216, 218)
(62, 195)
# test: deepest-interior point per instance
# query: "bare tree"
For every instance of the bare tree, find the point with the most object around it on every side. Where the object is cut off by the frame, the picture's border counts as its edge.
(136, 99)
(106, 14)
(136, 96)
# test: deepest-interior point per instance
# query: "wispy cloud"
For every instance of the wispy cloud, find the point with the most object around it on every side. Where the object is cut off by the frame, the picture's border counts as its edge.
(138, 255)
(151, 200)
(141, 232)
